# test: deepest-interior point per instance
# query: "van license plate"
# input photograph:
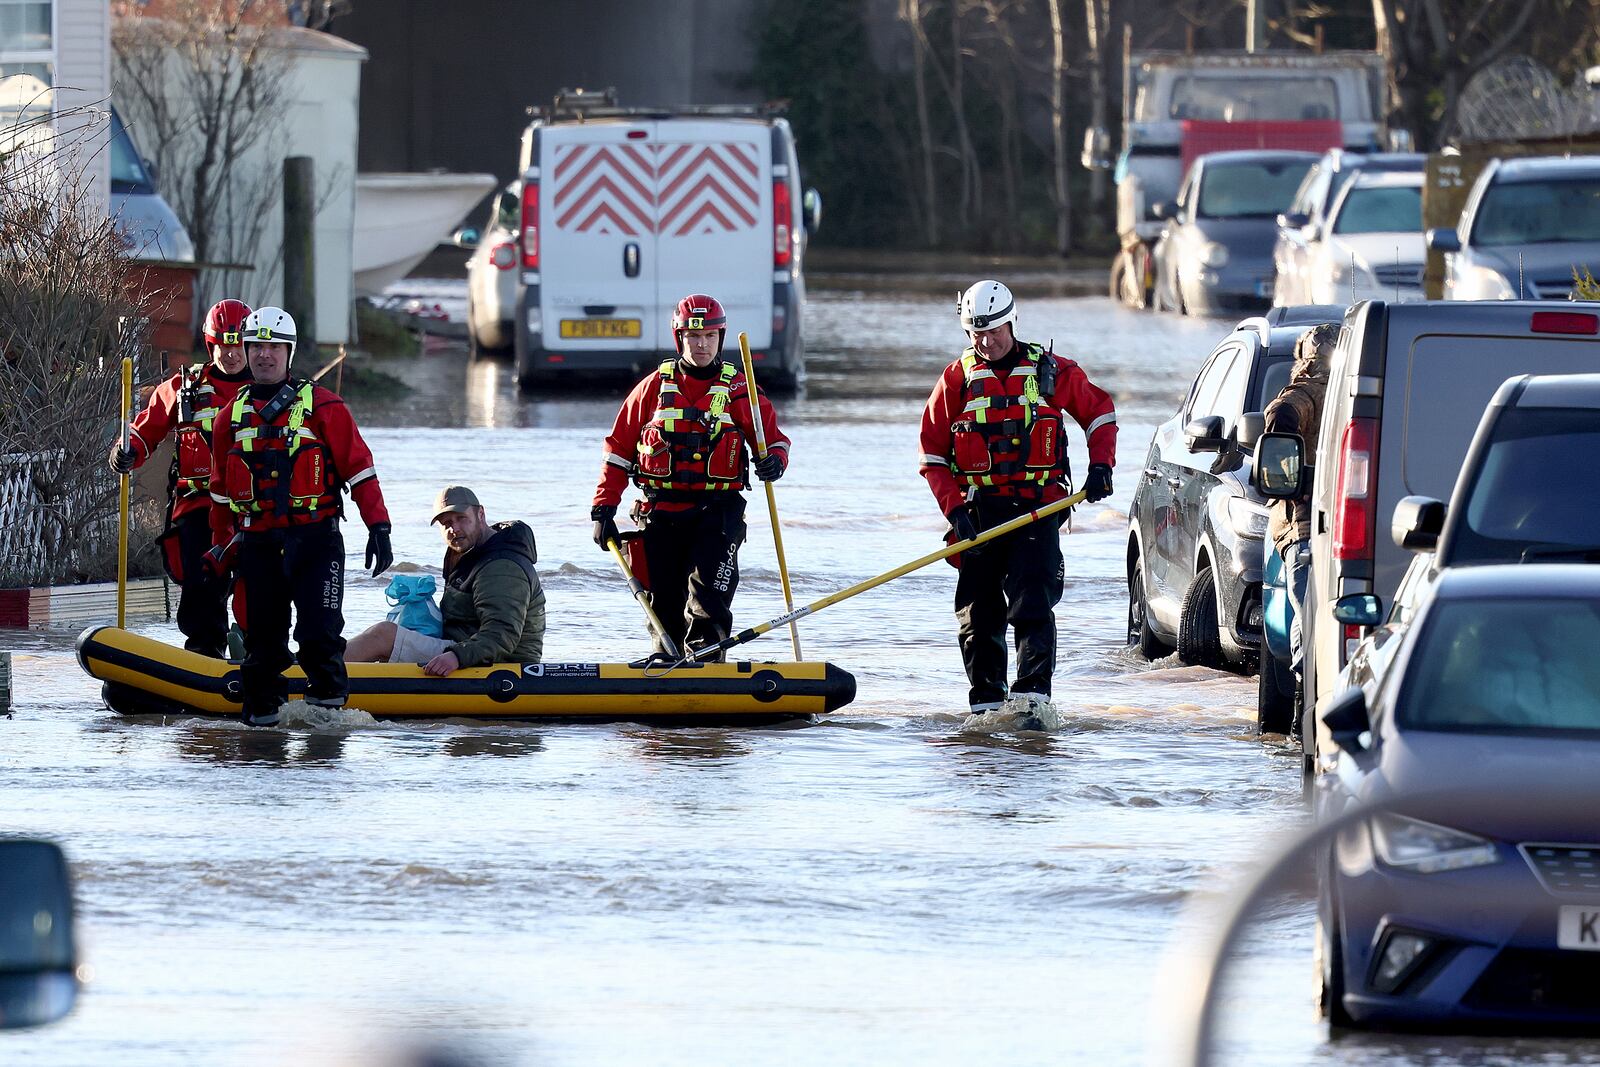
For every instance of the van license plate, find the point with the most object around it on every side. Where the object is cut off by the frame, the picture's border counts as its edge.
(1579, 927)
(579, 328)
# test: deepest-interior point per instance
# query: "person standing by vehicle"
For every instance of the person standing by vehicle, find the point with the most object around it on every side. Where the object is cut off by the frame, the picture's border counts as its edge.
(185, 405)
(279, 457)
(1297, 409)
(993, 448)
(684, 436)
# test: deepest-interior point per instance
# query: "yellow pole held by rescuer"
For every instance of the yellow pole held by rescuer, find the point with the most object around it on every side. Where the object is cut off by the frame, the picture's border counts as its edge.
(986, 536)
(122, 497)
(772, 499)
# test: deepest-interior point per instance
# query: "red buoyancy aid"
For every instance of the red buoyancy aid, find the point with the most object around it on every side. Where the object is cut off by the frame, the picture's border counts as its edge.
(199, 403)
(277, 466)
(690, 450)
(1008, 438)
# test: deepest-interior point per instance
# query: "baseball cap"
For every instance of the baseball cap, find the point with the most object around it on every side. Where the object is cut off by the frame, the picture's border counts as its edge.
(457, 498)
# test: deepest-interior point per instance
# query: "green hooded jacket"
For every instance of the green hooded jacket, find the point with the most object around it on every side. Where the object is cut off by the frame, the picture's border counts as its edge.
(493, 604)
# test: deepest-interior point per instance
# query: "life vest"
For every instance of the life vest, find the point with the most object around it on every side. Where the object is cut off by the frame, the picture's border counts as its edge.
(1008, 437)
(197, 410)
(688, 450)
(277, 467)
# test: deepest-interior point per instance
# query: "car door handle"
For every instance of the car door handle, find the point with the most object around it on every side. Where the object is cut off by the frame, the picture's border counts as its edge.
(1174, 483)
(630, 259)
(1152, 473)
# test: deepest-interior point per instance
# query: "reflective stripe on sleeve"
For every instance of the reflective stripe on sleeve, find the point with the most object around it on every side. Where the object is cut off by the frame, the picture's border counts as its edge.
(930, 460)
(361, 476)
(618, 461)
(1104, 420)
(218, 498)
(774, 446)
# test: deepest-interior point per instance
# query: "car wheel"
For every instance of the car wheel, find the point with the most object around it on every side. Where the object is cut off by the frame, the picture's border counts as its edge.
(1140, 635)
(1199, 643)
(1275, 696)
(1330, 969)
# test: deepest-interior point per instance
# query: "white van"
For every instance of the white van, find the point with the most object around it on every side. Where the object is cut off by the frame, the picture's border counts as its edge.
(625, 211)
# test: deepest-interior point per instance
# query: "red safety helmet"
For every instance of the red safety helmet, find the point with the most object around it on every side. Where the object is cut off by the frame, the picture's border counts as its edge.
(698, 312)
(225, 323)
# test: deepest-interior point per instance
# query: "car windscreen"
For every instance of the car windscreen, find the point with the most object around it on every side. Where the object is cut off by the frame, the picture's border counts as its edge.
(1256, 189)
(1506, 666)
(1381, 209)
(1228, 99)
(1534, 493)
(1450, 375)
(1519, 213)
(127, 171)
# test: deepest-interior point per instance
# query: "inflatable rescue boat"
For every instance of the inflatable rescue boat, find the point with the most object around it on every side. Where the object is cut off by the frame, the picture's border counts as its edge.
(144, 676)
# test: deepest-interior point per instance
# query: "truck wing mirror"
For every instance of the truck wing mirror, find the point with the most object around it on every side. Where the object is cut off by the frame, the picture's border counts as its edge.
(1280, 468)
(1347, 719)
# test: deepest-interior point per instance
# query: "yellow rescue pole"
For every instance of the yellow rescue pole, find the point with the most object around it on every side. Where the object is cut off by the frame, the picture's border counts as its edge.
(642, 595)
(122, 494)
(887, 576)
(772, 497)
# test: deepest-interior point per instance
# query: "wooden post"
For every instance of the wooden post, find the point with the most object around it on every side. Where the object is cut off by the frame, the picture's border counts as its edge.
(299, 250)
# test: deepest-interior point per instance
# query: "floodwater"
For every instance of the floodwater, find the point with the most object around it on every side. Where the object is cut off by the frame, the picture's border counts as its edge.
(881, 887)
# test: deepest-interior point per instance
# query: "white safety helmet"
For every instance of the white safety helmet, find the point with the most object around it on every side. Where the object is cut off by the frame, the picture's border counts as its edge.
(271, 324)
(986, 305)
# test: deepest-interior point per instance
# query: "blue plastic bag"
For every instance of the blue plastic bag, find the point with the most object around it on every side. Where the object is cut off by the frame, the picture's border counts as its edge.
(412, 597)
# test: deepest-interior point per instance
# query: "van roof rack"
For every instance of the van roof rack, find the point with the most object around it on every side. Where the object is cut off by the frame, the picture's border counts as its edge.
(582, 104)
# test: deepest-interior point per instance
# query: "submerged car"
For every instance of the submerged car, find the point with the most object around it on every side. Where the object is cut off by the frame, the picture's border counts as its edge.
(1527, 225)
(1215, 254)
(1439, 913)
(1196, 527)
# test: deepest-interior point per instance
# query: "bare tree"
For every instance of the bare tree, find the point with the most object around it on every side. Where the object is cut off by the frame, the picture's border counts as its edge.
(1097, 20)
(203, 87)
(1058, 128)
(912, 13)
(67, 317)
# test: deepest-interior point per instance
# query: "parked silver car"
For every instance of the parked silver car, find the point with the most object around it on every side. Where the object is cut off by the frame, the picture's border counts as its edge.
(492, 273)
(1526, 224)
(1309, 212)
(1369, 246)
(1216, 253)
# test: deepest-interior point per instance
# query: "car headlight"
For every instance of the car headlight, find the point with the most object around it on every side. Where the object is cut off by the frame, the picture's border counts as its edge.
(1488, 284)
(1428, 848)
(1246, 517)
(1214, 255)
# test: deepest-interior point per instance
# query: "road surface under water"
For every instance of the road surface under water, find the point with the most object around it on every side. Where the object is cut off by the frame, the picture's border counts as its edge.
(881, 887)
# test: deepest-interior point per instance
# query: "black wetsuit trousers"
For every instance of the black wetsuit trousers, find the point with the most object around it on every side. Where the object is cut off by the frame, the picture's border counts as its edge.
(693, 557)
(1017, 580)
(300, 567)
(202, 597)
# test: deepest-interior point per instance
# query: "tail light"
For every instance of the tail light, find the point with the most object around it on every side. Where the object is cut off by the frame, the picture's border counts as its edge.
(1355, 508)
(504, 255)
(1573, 322)
(530, 227)
(782, 214)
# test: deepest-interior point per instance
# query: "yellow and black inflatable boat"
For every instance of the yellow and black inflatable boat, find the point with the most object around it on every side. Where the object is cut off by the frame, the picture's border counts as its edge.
(145, 676)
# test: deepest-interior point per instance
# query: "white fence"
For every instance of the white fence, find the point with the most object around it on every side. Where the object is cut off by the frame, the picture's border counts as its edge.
(49, 527)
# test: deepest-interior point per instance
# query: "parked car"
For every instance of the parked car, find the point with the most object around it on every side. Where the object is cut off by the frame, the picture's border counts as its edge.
(624, 211)
(1403, 380)
(152, 228)
(1196, 525)
(1215, 253)
(1308, 214)
(39, 980)
(1370, 246)
(1526, 224)
(492, 271)
(1486, 913)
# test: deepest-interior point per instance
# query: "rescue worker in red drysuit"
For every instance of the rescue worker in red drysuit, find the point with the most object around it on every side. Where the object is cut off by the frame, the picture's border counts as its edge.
(685, 437)
(280, 455)
(186, 405)
(993, 448)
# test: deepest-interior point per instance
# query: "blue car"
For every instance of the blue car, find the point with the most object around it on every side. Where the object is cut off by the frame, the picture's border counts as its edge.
(1446, 916)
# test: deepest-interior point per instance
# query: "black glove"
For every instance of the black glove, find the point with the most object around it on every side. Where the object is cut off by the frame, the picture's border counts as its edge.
(605, 525)
(1097, 486)
(769, 468)
(122, 459)
(378, 548)
(961, 524)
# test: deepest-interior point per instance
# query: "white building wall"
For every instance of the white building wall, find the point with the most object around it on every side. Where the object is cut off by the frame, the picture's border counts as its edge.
(83, 80)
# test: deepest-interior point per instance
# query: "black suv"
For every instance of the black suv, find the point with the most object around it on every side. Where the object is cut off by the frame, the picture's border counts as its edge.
(1196, 527)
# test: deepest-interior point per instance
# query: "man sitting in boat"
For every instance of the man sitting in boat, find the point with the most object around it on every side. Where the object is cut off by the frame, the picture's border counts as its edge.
(493, 604)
